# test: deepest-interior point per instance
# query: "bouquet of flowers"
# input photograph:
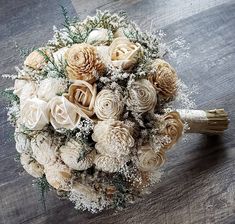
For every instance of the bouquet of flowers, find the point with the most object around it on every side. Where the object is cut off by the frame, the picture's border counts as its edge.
(92, 115)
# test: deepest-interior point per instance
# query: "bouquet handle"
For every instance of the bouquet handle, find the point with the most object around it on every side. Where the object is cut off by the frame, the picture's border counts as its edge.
(205, 121)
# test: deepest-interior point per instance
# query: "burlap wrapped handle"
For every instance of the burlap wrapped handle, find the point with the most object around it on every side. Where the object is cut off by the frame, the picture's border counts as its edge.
(205, 121)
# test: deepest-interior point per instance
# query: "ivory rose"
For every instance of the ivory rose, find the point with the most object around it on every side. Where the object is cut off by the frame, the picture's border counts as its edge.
(142, 96)
(50, 87)
(164, 78)
(64, 114)
(31, 166)
(25, 89)
(108, 105)
(82, 94)
(98, 36)
(173, 128)
(44, 149)
(34, 114)
(72, 155)
(36, 60)
(83, 62)
(124, 54)
(148, 159)
(113, 138)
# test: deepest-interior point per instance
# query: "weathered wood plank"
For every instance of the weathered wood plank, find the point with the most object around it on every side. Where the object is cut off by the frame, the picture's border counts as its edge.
(199, 181)
(159, 13)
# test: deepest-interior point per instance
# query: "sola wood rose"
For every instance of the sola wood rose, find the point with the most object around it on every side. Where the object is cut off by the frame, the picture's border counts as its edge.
(173, 128)
(98, 37)
(164, 78)
(59, 56)
(58, 176)
(64, 114)
(22, 142)
(113, 143)
(83, 62)
(31, 166)
(44, 149)
(113, 138)
(36, 59)
(148, 159)
(25, 89)
(50, 88)
(89, 194)
(142, 96)
(73, 156)
(108, 105)
(124, 54)
(34, 114)
(82, 94)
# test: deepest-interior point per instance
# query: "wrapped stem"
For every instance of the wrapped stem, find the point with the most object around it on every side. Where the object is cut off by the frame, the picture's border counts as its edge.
(205, 121)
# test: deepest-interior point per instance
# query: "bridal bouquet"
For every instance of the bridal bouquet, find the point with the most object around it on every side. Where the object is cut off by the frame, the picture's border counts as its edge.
(91, 111)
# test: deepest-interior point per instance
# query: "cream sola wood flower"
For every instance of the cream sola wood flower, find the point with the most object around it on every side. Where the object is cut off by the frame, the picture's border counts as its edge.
(85, 192)
(86, 197)
(31, 166)
(83, 63)
(108, 105)
(142, 96)
(22, 142)
(25, 89)
(108, 163)
(51, 87)
(36, 59)
(58, 176)
(34, 114)
(103, 53)
(64, 114)
(148, 159)
(75, 156)
(83, 95)
(172, 129)
(99, 36)
(59, 56)
(113, 138)
(44, 149)
(124, 54)
(164, 78)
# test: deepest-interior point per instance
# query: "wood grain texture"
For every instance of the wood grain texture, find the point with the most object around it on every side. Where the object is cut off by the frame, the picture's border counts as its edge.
(159, 13)
(199, 181)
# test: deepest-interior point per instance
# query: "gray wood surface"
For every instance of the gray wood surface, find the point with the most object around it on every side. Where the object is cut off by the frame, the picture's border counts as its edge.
(199, 181)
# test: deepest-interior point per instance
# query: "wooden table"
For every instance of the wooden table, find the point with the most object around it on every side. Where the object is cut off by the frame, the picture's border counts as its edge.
(199, 181)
